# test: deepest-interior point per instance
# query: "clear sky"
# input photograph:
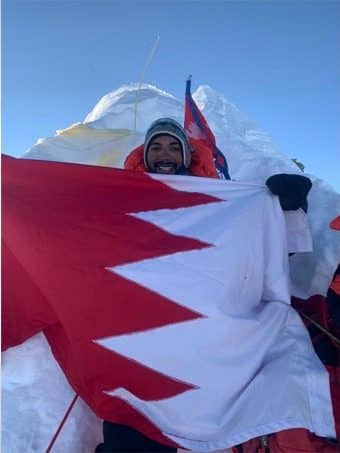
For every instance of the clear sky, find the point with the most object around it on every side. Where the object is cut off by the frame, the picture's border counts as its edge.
(277, 61)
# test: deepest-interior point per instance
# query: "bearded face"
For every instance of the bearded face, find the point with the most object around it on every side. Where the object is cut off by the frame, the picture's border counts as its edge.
(165, 155)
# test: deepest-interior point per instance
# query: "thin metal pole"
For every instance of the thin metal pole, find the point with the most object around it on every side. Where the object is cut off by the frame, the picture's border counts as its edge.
(141, 79)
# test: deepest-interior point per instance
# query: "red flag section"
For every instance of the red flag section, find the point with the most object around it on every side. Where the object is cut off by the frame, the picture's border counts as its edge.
(200, 134)
(63, 225)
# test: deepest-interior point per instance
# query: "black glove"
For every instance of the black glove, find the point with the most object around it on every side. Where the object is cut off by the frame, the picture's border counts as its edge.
(292, 190)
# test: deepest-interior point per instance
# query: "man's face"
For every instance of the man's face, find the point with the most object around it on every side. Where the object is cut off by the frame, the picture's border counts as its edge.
(165, 155)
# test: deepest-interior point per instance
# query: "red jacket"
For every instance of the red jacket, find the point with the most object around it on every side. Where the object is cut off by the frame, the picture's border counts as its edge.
(202, 162)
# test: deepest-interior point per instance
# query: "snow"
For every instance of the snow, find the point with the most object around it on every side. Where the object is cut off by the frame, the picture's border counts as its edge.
(35, 397)
(117, 109)
(35, 394)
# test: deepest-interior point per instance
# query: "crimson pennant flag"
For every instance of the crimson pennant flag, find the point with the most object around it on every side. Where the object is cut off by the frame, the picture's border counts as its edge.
(199, 132)
(165, 311)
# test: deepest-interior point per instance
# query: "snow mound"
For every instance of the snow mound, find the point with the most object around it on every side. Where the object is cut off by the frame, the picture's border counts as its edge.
(117, 109)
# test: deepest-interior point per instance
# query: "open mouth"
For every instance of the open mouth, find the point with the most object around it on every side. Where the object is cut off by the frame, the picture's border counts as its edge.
(165, 167)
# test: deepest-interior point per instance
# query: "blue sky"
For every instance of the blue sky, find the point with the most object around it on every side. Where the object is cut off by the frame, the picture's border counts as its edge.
(277, 61)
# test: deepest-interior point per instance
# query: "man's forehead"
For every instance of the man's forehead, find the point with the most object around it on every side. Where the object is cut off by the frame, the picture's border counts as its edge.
(167, 136)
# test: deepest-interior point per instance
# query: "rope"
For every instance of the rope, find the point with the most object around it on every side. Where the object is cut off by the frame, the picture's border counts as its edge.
(60, 427)
(325, 331)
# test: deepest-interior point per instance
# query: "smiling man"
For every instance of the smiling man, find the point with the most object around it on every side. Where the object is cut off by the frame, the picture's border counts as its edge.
(166, 148)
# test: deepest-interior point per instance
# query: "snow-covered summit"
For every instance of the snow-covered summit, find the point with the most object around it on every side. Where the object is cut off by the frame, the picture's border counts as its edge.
(225, 117)
(117, 108)
(229, 122)
(131, 109)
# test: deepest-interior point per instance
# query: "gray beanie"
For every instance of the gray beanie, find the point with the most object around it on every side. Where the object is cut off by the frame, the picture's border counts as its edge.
(168, 126)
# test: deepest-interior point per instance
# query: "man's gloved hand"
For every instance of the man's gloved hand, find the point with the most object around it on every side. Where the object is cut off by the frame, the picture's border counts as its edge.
(292, 190)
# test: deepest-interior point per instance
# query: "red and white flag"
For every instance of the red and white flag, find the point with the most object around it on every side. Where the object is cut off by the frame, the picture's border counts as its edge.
(165, 300)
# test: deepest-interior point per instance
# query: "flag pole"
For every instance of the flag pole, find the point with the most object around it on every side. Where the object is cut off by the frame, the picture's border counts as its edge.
(142, 75)
(188, 86)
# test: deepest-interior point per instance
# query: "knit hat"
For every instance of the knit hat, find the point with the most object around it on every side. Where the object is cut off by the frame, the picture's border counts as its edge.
(168, 126)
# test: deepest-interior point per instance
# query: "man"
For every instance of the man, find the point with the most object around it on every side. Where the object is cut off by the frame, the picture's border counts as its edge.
(166, 150)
